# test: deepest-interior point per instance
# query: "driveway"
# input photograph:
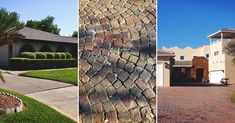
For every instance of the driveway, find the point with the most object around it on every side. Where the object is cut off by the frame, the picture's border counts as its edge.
(60, 96)
(196, 104)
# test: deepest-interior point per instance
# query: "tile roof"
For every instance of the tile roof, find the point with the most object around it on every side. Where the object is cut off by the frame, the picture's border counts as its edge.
(34, 34)
(165, 53)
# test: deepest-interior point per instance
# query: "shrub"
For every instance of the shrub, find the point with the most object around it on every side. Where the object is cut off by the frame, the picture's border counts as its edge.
(50, 55)
(63, 55)
(68, 55)
(29, 55)
(57, 55)
(26, 64)
(40, 55)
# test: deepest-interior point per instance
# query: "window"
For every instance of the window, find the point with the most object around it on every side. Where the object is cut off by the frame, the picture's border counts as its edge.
(194, 57)
(181, 57)
(207, 55)
(216, 53)
(27, 48)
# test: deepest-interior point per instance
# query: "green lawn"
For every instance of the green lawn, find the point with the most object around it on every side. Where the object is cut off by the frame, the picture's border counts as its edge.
(233, 97)
(62, 75)
(34, 112)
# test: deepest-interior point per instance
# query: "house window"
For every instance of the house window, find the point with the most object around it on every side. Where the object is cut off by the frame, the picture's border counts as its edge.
(207, 55)
(216, 53)
(181, 57)
(194, 57)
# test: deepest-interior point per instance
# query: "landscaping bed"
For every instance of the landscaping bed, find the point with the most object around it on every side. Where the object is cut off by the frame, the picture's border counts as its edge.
(233, 97)
(34, 112)
(62, 75)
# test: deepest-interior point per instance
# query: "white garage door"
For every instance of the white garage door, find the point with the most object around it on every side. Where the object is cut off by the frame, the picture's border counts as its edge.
(216, 76)
(159, 74)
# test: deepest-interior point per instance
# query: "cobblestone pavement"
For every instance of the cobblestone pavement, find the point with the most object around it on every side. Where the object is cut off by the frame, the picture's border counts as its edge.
(117, 40)
(196, 104)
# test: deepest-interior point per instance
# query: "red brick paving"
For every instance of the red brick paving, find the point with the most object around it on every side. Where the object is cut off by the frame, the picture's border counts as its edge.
(196, 105)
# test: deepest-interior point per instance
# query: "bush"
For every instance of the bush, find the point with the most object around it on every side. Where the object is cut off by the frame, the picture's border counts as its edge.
(30, 55)
(57, 55)
(26, 64)
(50, 55)
(40, 55)
(68, 55)
(63, 55)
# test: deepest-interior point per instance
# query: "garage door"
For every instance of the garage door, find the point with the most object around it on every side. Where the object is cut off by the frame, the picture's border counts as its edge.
(160, 74)
(216, 76)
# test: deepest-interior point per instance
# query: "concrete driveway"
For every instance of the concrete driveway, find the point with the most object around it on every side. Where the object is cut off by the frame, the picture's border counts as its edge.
(209, 104)
(60, 96)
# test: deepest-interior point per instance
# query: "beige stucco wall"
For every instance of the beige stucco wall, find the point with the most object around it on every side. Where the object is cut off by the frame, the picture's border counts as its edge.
(166, 71)
(4, 55)
(217, 62)
(189, 52)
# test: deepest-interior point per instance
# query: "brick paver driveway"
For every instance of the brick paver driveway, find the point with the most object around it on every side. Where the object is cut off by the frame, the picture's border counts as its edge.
(196, 104)
(117, 43)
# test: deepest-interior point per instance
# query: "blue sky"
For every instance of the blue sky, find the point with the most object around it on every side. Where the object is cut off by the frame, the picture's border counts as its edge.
(64, 11)
(188, 22)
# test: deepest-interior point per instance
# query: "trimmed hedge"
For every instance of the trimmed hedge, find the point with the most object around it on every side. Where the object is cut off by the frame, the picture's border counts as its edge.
(63, 55)
(40, 55)
(57, 55)
(68, 55)
(30, 55)
(50, 55)
(26, 64)
(46, 55)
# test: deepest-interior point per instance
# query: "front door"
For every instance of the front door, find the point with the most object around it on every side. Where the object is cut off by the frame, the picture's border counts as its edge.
(199, 74)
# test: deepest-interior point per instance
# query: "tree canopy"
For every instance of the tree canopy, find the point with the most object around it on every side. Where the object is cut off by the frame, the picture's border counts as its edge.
(46, 25)
(9, 23)
(75, 34)
(230, 49)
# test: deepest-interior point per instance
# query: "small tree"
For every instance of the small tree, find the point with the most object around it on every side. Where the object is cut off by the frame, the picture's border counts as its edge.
(230, 49)
(9, 23)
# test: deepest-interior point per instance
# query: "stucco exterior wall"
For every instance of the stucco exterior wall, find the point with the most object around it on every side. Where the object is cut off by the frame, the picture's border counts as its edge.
(4, 55)
(217, 62)
(166, 70)
(189, 52)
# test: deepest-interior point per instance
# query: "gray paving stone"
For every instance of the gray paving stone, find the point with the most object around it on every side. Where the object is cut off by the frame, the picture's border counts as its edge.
(92, 59)
(124, 117)
(108, 106)
(105, 83)
(128, 83)
(103, 96)
(113, 58)
(110, 90)
(117, 84)
(122, 91)
(93, 98)
(133, 59)
(149, 94)
(123, 76)
(99, 88)
(141, 101)
(85, 54)
(145, 75)
(129, 67)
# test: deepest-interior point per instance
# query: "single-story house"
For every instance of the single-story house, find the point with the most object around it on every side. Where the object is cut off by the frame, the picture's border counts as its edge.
(33, 40)
(164, 68)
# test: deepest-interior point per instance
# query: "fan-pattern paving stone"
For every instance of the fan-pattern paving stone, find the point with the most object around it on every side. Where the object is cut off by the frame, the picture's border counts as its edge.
(117, 41)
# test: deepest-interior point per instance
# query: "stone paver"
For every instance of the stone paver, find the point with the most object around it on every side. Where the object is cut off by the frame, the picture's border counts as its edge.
(117, 71)
(196, 104)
